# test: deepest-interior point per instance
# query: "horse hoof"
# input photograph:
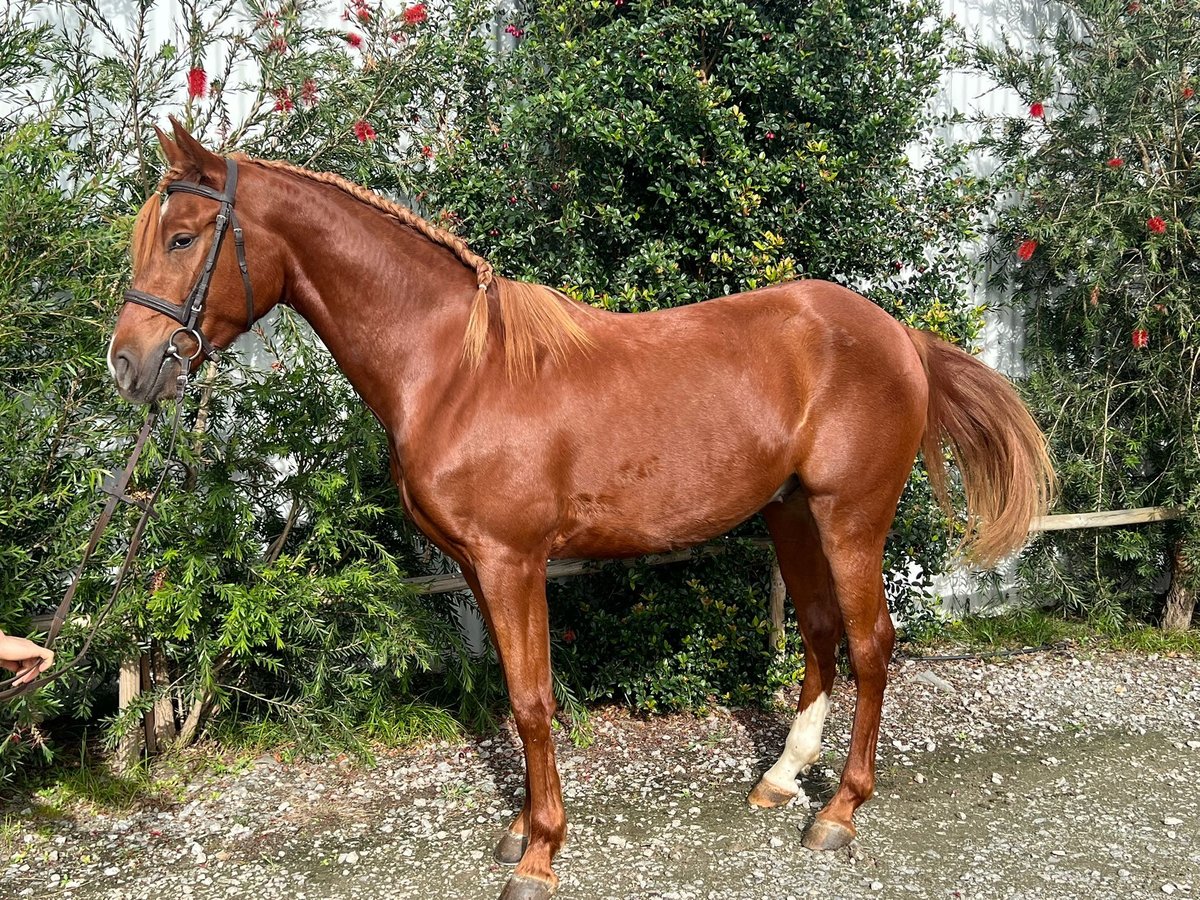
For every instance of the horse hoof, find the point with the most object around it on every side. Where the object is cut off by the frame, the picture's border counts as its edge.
(823, 834)
(770, 796)
(510, 848)
(525, 887)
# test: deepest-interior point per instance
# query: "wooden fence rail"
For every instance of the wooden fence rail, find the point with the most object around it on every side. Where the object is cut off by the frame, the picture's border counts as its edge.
(567, 568)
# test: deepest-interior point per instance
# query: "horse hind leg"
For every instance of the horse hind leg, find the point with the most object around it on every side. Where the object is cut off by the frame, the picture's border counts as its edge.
(852, 516)
(806, 573)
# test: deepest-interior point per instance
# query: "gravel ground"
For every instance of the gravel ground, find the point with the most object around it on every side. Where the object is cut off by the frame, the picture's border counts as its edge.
(1041, 776)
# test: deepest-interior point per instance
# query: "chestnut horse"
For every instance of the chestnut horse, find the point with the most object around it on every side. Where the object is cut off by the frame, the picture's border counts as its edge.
(525, 426)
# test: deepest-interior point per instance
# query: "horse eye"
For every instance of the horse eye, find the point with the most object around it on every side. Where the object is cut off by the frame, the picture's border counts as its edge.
(182, 241)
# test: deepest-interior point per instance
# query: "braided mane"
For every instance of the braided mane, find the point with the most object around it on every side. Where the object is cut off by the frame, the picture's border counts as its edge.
(532, 316)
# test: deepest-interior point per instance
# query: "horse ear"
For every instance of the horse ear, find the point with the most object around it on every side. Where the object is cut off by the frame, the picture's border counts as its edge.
(170, 149)
(193, 153)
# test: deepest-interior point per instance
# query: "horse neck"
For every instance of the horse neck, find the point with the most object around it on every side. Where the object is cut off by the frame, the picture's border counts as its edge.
(391, 306)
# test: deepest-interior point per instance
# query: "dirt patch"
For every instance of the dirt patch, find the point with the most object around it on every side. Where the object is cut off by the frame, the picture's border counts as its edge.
(1048, 776)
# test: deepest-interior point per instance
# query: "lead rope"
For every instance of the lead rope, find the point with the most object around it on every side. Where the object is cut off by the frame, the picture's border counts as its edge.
(117, 494)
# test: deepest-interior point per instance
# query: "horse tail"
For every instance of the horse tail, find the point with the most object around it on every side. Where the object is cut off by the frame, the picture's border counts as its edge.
(1001, 454)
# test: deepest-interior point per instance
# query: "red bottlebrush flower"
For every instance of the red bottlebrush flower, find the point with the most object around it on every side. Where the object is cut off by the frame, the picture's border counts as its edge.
(1133, 8)
(416, 14)
(1156, 224)
(364, 15)
(363, 131)
(283, 100)
(308, 92)
(427, 152)
(1140, 338)
(197, 82)
(1188, 93)
(1026, 250)
(1037, 110)
(569, 636)
(278, 45)
(1116, 162)
(354, 40)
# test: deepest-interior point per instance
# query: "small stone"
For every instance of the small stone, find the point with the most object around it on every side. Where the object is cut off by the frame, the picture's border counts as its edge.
(111, 871)
(877, 885)
(997, 778)
(1171, 820)
(776, 842)
(919, 778)
(1168, 888)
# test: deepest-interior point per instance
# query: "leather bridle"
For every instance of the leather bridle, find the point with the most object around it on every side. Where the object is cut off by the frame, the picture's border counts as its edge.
(188, 314)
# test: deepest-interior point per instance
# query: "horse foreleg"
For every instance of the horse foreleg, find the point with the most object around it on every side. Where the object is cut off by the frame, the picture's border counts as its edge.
(513, 589)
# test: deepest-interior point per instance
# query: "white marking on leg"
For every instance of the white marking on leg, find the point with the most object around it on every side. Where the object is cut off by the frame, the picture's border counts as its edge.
(803, 746)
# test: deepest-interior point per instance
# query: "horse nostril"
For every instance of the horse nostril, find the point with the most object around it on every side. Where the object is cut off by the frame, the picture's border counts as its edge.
(124, 369)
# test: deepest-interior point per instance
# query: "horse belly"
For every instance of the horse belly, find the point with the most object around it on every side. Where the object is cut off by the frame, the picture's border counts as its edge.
(667, 510)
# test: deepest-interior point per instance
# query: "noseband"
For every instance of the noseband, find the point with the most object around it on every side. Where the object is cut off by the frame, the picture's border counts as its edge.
(188, 313)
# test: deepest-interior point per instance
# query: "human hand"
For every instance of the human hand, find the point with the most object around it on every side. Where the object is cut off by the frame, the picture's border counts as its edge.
(24, 657)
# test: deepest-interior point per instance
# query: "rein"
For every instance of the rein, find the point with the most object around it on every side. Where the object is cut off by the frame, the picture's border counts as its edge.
(188, 315)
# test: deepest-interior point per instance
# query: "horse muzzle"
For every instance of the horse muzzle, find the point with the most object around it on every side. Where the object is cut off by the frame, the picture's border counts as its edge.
(147, 378)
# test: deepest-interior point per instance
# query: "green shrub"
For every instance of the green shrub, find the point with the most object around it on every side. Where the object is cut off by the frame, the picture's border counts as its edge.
(271, 585)
(643, 155)
(640, 155)
(1100, 248)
